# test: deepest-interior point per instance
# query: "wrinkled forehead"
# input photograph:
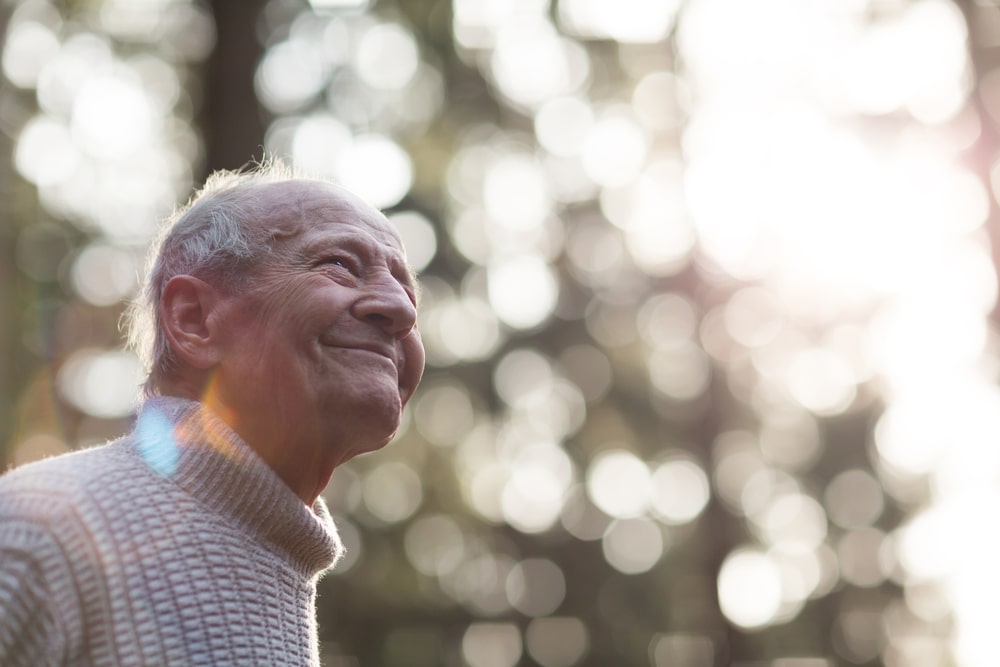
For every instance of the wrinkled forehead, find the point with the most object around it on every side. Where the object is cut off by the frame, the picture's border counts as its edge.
(299, 209)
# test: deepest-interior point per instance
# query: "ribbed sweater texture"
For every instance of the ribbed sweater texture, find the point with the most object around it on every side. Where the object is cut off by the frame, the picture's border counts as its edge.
(174, 546)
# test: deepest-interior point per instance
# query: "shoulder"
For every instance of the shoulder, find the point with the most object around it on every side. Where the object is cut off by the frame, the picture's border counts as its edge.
(53, 467)
(44, 556)
(53, 511)
(46, 488)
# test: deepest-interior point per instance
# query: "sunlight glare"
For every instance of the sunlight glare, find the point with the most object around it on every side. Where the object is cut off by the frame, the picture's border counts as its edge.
(618, 482)
(681, 373)
(387, 57)
(475, 23)
(492, 644)
(418, 236)
(434, 544)
(679, 490)
(633, 546)
(443, 413)
(460, 329)
(392, 491)
(289, 75)
(112, 117)
(29, 46)
(854, 499)
(749, 586)
(314, 140)
(821, 381)
(102, 383)
(522, 290)
(45, 153)
(377, 168)
(532, 63)
(521, 174)
(626, 21)
(562, 124)
(615, 150)
(533, 495)
(792, 520)
(103, 275)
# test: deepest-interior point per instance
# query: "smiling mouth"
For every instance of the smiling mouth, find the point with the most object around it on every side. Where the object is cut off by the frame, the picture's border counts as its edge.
(378, 351)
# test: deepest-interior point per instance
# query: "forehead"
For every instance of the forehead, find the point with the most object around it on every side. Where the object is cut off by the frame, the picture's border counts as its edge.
(310, 210)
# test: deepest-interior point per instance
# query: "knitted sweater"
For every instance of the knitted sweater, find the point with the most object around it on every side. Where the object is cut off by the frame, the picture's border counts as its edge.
(173, 546)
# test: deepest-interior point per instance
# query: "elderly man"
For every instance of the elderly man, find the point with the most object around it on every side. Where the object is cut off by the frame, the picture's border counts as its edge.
(281, 342)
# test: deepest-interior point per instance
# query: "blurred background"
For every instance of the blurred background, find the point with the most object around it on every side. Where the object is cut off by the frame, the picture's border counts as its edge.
(710, 304)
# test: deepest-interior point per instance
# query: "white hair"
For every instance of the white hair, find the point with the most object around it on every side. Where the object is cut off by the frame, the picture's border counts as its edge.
(212, 237)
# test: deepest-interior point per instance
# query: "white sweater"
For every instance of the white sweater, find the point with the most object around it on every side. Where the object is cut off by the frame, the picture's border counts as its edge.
(173, 546)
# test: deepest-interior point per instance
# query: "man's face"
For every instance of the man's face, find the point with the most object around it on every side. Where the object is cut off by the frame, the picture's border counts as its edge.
(321, 352)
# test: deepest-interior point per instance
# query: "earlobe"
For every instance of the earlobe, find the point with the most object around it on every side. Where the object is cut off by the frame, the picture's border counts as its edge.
(186, 318)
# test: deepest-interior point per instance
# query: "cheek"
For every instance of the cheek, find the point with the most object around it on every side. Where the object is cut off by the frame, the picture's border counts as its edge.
(277, 335)
(290, 322)
(288, 307)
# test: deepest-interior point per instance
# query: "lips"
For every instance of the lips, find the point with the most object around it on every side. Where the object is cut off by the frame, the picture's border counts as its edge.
(381, 350)
(375, 349)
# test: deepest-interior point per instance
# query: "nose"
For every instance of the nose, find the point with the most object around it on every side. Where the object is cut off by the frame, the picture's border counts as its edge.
(387, 305)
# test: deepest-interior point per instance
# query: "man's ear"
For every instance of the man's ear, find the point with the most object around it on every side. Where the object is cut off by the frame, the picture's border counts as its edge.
(188, 320)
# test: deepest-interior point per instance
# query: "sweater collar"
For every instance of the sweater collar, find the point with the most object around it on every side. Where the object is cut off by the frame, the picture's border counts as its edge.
(184, 441)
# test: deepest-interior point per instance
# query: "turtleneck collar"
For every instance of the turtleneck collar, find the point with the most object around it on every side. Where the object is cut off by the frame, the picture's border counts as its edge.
(182, 440)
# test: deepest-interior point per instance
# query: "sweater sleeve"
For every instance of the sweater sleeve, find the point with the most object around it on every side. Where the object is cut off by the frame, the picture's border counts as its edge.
(32, 629)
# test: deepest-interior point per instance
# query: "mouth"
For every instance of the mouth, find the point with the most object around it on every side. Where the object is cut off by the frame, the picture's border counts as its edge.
(378, 350)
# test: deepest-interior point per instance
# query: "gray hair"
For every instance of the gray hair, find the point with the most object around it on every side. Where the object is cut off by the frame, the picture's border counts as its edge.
(209, 238)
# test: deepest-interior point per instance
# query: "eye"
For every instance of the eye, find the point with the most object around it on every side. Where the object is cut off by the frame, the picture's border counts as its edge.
(342, 261)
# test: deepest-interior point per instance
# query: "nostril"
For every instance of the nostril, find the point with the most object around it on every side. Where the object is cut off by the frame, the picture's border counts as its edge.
(397, 327)
(388, 309)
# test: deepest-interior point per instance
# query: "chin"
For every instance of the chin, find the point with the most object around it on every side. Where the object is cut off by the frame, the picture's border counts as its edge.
(366, 447)
(381, 411)
(379, 432)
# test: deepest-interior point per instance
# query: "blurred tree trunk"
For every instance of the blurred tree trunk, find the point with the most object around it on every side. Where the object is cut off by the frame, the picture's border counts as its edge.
(8, 306)
(8, 301)
(232, 120)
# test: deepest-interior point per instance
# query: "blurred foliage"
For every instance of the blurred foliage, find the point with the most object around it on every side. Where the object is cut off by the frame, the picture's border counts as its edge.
(638, 442)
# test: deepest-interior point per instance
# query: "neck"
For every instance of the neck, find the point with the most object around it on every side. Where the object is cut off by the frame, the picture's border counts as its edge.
(212, 463)
(301, 467)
